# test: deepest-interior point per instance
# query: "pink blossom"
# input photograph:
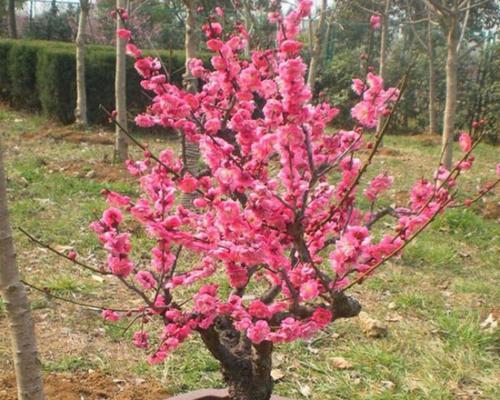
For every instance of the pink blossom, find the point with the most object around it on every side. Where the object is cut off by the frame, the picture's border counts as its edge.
(144, 121)
(309, 290)
(112, 217)
(377, 186)
(117, 200)
(259, 332)
(141, 340)
(358, 86)
(188, 183)
(111, 316)
(465, 142)
(322, 317)
(120, 266)
(72, 255)
(146, 280)
(133, 51)
(375, 21)
(260, 310)
(219, 11)
(124, 34)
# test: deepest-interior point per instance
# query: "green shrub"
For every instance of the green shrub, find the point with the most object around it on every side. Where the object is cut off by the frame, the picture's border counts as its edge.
(40, 75)
(56, 83)
(5, 47)
(22, 63)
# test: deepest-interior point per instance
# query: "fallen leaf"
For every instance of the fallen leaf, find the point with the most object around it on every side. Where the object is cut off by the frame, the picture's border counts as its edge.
(278, 359)
(393, 317)
(63, 249)
(305, 390)
(341, 363)
(98, 278)
(277, 374)
(371, 327)
(490, 323)
(388, 385)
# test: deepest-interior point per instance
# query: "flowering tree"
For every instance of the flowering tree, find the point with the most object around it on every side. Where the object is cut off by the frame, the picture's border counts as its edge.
(272, 242)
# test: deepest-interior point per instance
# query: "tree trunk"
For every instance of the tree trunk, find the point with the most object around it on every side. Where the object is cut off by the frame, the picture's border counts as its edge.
(383, 53)
(328, 33)
(433, 127)
(451, 93)
(310, 36)
(12, 20)
(81, 94)
(246, 368)
(24, 349)
(317, 49)
(121, 142)
(191, 151)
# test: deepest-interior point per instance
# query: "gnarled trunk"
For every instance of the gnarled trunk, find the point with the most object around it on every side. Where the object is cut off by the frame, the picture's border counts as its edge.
(81, 93)
(246, 367)
(121, 142)
(24, 350)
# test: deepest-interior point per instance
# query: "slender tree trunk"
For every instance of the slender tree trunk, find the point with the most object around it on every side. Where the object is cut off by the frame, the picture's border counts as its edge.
(81, 93)
(24, 349)
(12, 20)
(433, 126)
(191, 151)
(383, 53)
(310, 36)
(451, 92)
(317, 49)
(246, 368)
(328, 34)
(121, 142)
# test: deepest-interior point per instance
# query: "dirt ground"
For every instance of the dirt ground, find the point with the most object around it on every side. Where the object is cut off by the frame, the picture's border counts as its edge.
(89, 386)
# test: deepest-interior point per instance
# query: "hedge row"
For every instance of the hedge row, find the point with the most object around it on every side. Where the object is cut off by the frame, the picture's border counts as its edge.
(40, 75)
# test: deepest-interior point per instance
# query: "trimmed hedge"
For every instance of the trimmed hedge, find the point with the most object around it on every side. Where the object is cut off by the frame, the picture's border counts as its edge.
(40, 75)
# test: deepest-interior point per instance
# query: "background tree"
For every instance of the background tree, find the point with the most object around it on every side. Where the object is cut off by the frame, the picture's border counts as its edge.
(417, 12)
(319, 40)
(24, 349)
(453, 17)
(81, 93)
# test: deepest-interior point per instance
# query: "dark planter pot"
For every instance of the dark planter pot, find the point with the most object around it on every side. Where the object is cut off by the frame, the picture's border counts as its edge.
(211, 394)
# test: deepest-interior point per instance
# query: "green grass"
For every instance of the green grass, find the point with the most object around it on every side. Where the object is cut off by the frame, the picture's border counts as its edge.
(443, 286)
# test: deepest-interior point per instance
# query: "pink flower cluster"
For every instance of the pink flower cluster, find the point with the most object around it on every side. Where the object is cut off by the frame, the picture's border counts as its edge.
(265, 214)
(375, 100)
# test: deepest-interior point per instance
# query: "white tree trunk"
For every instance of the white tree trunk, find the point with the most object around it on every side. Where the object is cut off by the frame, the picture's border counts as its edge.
(24, 349)
(451, 93)
(317, 49)
(81, 94)
(121, 142)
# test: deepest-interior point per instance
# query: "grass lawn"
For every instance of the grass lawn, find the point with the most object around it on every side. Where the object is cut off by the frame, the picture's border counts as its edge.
(433, 299)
